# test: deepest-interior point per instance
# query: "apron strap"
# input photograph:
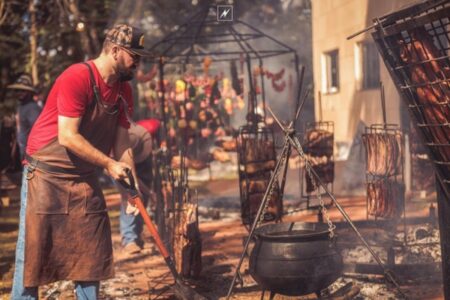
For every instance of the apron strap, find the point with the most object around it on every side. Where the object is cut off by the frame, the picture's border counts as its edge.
(94, 86)
(37, 164)
(98, 98)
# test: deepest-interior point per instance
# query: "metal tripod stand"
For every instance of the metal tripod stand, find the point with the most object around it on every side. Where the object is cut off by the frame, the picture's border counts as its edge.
(291, 140)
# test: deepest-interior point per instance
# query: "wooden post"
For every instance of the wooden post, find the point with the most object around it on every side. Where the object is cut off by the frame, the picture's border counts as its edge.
(33, 43)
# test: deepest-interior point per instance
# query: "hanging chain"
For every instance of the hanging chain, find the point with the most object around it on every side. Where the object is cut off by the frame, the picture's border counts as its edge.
(308, 167)
(272, 187)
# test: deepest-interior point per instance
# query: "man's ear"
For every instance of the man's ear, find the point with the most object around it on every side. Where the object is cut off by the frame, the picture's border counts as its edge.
(115, 51)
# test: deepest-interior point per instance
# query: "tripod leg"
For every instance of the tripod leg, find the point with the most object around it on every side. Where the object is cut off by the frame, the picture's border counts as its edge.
(272, 295)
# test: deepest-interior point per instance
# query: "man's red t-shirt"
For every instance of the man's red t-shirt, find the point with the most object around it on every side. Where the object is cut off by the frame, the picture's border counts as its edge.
(69, 97)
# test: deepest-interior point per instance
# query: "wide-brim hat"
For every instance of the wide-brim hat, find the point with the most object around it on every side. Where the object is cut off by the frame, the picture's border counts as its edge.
(141, 143)
(24, 83)
(128, 37)
(151, 125)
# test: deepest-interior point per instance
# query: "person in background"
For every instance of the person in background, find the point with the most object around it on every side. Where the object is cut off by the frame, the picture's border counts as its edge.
(131, 225)
(27, 110)
(64, 229)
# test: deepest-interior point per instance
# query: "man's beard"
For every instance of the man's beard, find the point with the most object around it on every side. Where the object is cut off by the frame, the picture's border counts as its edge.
(125, 75)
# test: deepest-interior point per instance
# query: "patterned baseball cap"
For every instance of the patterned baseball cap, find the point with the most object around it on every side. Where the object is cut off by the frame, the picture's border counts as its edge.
(128, 37)
(24, 83)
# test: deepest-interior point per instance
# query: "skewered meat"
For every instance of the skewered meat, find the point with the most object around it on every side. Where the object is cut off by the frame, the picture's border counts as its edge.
(255, 150)
(385, 198)
(383, 152)
(273, 209)
(176, 162)
(220, 155)
(227, 145)
(319, 142)
(257, 167)
(197, 164)
(255, 185)
(257, 160)
(430, 76)
(319, 152)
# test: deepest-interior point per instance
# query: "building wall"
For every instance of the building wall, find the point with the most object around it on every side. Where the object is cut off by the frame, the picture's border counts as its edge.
(332, 22)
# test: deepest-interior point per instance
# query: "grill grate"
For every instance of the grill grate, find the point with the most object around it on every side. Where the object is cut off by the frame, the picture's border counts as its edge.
(415, 45)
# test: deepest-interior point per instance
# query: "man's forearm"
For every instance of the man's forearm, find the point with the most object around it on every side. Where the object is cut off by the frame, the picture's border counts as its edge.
(122, 150)
(83, 149)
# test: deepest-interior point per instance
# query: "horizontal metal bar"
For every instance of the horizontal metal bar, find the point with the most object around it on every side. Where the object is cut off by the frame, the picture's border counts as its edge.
(437, 145)
(229, 53)
(422, 62)
(206, 36)
(416, 21)
(425, 84)
(420, 106)
(433, 125)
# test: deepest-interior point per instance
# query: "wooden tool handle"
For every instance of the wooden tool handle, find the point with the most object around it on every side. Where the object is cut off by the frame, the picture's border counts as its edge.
(136, 201)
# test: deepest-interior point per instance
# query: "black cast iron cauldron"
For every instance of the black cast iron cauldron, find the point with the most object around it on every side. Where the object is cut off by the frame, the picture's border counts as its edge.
(294, 258)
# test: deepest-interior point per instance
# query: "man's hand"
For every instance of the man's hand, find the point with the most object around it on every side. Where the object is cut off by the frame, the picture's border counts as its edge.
(131, 209)
(117, 170)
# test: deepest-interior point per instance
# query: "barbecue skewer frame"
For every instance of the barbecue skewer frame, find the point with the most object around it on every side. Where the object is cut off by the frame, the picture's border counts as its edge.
(250, 136)
(397, 177)
(307, 197)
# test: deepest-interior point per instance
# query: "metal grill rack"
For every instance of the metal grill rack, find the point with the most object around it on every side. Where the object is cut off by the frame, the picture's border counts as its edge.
(415, 45)
(319, 147)
(256, 159)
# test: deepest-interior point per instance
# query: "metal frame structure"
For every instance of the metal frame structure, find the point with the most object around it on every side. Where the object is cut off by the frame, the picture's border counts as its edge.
(257, 168)
(202, 35)
(223, 41)
(415, 45)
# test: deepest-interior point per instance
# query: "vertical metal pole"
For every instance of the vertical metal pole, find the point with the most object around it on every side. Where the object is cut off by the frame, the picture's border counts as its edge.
(263, 90)
(297, 104)
(252, 99)
(160, 209)
(299, 82)
(162, 100)
(444, 231)
(383, 104)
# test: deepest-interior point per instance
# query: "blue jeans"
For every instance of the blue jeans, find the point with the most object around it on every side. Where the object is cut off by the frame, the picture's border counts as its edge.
(84, 290)
(130, 225)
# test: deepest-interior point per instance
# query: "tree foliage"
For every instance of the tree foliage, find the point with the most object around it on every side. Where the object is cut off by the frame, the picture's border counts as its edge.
(61, 41)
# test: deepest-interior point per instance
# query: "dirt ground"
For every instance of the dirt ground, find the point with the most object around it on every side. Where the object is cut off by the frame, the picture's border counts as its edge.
(145, 276)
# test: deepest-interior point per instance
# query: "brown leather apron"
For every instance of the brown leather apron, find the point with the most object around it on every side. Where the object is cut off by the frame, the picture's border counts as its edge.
(68, 234)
